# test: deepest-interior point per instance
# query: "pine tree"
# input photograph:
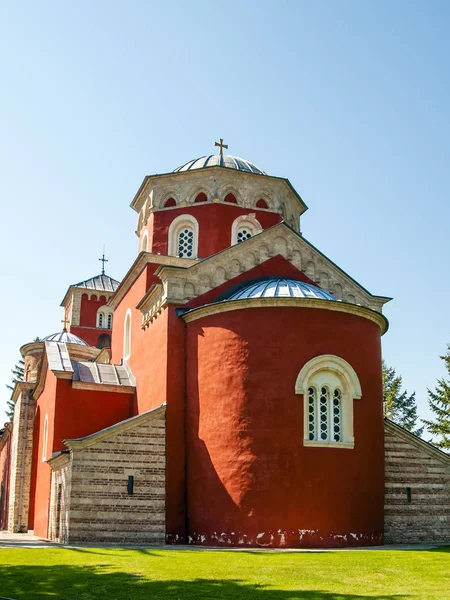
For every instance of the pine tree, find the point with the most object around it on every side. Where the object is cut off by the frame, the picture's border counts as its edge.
(18, 374)
(398, 405)
(439, 402)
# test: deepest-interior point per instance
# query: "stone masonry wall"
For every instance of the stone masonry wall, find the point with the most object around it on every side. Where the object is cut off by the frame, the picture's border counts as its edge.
(101, 509)
(58, 523)
(21, 461)
(417, 495)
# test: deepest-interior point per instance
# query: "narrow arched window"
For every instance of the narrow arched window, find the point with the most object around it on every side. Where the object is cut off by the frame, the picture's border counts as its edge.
(183, 237)
(104, 317)
(244, 227)
(45, 439)
(201, 197)
(329, 386)
(101, 319)
(127, 335)
(109, 325)
(185, 244)
(144, 243)
(169, 203)
(261, 204)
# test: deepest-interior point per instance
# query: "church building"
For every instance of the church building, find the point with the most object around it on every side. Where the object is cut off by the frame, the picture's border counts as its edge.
(226, 392)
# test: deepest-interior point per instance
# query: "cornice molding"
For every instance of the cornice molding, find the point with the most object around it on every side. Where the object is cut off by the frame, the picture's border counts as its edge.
(137, 267)
(182, 285)
(419, 442)
(103, 387)
(249, 303)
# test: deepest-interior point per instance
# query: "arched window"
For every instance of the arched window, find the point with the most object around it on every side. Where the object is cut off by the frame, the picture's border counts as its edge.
(183, 237)
(45, 439)
(144, 243)
(244, 227)
(231, 198)
(169, 203)
(329, 385)
(127, 335)
(261, 204)
(202, 197)
(104, 317)
(104, 341)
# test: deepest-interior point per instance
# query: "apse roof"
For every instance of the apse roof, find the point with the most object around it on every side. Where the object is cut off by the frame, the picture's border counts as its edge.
(64, 336)
(101, 283)
(218, 160)
(279, 287)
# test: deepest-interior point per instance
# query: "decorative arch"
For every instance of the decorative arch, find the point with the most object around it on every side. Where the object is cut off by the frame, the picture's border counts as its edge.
(244, 227)
(144, 242)
(170, 202)
(104, 341)
(201, 197)
(262, 204)
(127, 335)
(230, 198)
(183, 237)
(329, 384)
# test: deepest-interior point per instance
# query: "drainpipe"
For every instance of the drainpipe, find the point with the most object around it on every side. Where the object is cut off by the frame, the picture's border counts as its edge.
(22, 465)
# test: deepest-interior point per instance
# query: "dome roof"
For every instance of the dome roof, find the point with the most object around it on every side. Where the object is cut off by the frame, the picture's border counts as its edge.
(65, 336)
(217, 160)
(280, 287)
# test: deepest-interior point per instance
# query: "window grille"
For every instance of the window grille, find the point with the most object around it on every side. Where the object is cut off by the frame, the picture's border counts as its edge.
(243, 234)
(186, 243)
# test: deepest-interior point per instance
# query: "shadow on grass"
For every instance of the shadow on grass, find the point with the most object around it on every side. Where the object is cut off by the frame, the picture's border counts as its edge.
(66, 582)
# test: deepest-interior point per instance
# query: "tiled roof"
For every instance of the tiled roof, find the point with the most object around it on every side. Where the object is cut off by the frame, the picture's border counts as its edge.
(92, 372)
(64, 336)
(101, 283)
(216, 160)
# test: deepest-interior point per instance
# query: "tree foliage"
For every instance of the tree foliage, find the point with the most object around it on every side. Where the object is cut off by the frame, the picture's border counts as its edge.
(18, 374)
(439, 403)
(399, 406)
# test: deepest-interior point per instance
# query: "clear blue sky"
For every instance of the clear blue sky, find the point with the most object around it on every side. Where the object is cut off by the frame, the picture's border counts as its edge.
(348, 99)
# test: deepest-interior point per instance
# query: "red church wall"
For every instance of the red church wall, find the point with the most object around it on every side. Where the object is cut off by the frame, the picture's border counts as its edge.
(89, 308)
(90, 335)
(214, 221)
(5, 458)
(250, 479)
(72, 413)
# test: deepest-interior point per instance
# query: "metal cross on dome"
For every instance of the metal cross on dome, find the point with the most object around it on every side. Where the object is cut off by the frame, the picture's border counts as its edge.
(103, 260)
(221, 146)
(65, 322)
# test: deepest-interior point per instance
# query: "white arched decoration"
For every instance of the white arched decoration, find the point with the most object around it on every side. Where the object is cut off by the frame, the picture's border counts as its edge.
(144, 242)
(183, 237)
(127, 336)
(329, 385)
(45, 439)
(104, 317)
(244, 227)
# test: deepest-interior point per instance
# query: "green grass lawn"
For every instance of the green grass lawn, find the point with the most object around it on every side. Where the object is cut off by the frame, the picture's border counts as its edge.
(121, 574)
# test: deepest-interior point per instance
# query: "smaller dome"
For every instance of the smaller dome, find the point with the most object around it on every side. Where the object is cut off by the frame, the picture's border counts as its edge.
(65, 336)
(217, 160)
(280, 287)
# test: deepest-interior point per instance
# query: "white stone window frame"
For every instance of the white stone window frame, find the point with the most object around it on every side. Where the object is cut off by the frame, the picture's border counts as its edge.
(45, 439)
(127, 335)
(181, 222)
(249, 222)
(144, 242)
(103, 314)
(316, 373)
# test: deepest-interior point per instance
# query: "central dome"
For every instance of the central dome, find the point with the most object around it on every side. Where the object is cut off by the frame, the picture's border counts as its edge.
(218, 160)
(278, 287)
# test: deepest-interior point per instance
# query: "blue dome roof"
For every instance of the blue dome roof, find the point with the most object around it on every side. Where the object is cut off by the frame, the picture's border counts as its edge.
(280, 287)
(64, 336)
(216, 160)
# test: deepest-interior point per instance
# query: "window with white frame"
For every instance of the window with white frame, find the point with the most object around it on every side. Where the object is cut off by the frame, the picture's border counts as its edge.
(104, 317)
(127, 335)
(45, 439)
(244, 227)
(183, 237)
(329, 386)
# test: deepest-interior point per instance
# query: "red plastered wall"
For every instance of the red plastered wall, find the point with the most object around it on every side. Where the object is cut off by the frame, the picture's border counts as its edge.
(215, 223)
(5, 460)
(89, 307)
(249, 476)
